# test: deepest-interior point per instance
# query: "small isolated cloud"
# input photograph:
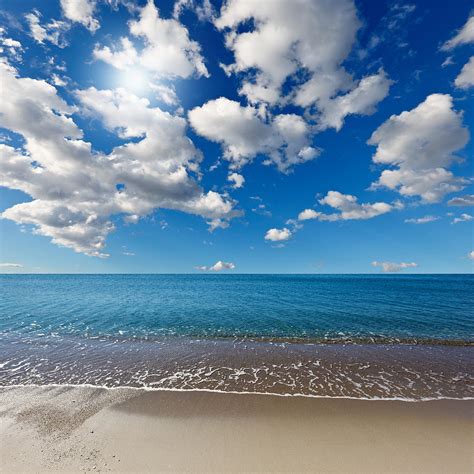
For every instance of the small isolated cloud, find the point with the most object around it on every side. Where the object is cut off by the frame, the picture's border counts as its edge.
(278, 235)
(391, 267)
(470, 255)
(466, 200)
(128, 254)
(237, 179)
(462, 218)
(422, 220)
(217, 267)
(11, 265)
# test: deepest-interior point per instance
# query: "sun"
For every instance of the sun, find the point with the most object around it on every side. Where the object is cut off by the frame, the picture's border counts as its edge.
(135, 79)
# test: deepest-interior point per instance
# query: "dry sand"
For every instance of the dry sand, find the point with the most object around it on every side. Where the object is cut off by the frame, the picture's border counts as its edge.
(89, 429)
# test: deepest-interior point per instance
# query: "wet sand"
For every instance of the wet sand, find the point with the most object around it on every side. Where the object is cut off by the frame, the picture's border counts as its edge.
(71, 429)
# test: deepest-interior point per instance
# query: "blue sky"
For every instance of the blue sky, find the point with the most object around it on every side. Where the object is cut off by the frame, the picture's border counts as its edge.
(272, 137)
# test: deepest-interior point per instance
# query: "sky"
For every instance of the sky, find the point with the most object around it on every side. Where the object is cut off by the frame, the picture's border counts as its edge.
(236, 136)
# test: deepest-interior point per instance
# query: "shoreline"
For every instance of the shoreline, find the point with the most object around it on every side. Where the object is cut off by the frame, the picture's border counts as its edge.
(235, 392)
(71, 429)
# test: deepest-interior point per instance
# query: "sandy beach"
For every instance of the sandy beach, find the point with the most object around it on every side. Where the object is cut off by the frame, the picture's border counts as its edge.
(71, 429)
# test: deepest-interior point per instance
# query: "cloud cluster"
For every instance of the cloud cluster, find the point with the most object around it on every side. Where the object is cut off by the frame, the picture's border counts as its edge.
(75, 192)
(391, 267)
(462, 218)
(348, 207)
(217, 267)
(168, 50)
(419, 146)
(465, 35)
(244, 133)
(303, 41)
(52, 31)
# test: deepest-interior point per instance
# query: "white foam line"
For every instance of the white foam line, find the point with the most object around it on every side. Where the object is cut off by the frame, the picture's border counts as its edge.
(234, 392)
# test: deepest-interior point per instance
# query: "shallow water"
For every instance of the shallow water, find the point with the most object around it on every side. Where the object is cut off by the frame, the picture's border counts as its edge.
(407, 337)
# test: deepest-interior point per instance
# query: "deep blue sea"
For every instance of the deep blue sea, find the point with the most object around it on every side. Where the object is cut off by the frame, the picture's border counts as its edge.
(421, 307)
(367, 336)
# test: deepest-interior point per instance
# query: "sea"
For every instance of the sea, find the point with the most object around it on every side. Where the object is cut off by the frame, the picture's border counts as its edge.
(404, 337)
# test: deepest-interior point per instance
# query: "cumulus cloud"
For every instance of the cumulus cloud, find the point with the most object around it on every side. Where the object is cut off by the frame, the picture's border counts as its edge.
(306, 37)
(217, 267)
(391, 267)
(278, 235)
(420, 144)
(466, 200)
(81, 11)
(237, 179)
(11, 265)
(348, 207)
(470, 255)
(462, 218)
(75, 191)
(464, 36)
(422, 220)
(465, 79)
(244, 134)
(168, 51)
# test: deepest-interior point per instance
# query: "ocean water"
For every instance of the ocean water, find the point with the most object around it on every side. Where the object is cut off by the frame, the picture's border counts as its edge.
(375, 336)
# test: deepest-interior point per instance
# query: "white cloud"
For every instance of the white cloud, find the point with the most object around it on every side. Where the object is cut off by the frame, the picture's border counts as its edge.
(52, 31)
(10, 47)
(348, 207)
(165, 94)
(466, 200)
(422, 220)
(76, 191)
(390, 267)
(203, 9)
(278, 235)
(244, 134)
(81, 11)
(464, 36)
(11, 265)
(462, 218)
(465, 79)
(308, 214)
(286, 36)
(121, 58)
(309, 38)
(237, 179)
(420, 144)
(168, 51)
(217, 267)
(470, 255)
(361, 100)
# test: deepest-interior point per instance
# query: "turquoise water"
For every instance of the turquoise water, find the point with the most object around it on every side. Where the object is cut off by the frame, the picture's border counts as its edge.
(403, 337)
(396, 307)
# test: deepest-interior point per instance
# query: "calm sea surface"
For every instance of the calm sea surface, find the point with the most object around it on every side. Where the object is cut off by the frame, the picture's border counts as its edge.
(394, 336)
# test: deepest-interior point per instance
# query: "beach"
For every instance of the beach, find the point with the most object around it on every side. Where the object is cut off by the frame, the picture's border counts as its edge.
(67, 428)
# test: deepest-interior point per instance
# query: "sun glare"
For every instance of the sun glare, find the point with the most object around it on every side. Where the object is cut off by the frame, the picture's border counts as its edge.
(135, 80)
